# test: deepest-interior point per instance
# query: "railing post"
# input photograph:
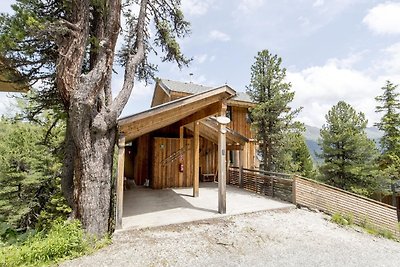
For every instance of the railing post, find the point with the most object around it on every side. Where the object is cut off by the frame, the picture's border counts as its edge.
(241, 167)
(272, 186)
(120, 182)
(294, 184)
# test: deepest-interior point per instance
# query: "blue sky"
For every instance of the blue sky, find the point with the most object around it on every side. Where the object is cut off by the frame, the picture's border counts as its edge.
(333, 50)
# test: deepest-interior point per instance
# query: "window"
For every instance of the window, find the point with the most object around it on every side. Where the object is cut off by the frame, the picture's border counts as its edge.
(229, 112)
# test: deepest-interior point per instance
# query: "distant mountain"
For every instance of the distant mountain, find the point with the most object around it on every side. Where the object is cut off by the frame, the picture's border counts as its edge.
(312, 135)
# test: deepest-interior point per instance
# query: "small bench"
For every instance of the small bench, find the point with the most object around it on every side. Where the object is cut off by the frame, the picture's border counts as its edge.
(210, 177)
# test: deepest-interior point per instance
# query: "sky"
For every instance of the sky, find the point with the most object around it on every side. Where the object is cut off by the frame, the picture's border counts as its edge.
(333, 50)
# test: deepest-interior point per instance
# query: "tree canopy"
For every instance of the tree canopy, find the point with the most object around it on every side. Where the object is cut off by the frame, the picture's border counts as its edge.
(272, 117)
(69, 50)
(389, 125)
(348, 154)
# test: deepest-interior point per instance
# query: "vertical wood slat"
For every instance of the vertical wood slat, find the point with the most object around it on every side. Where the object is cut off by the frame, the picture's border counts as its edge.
(269, 185)
(167, 175)
(120, 182)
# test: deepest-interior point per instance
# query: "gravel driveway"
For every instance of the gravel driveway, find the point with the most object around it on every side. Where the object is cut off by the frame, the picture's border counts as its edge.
(292, 238)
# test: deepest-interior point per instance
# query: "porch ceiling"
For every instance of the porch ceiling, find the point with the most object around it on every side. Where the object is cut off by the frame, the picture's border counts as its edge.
(209, 130)
(181, 111)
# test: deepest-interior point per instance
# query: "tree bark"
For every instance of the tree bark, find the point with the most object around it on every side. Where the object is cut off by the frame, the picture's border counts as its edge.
(67, 179)
(93, 169)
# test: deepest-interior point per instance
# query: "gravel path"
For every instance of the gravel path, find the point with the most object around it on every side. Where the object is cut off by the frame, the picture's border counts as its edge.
(292, 238)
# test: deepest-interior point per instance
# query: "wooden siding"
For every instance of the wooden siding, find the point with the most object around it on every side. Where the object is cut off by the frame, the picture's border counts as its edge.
(208, 156)
(165, 166)
(239, 122)
(333, 200)
(137, 163)
(159, 97)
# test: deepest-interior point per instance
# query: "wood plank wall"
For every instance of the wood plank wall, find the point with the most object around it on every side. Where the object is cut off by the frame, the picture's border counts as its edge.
(333, 200)
(137, 163)
(208, 156)
(239, 121)
(165, 174)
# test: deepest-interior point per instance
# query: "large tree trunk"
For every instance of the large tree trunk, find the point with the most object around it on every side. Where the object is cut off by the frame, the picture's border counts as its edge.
(93, 169)
(67, 179)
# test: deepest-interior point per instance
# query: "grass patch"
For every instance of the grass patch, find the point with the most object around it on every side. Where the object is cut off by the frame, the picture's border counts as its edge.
(348, 220)
(64, 240)
(344, 220)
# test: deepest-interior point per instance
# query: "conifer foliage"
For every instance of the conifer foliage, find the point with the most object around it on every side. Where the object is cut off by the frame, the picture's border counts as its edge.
(347, 152)
(272, 117)
(389, 125)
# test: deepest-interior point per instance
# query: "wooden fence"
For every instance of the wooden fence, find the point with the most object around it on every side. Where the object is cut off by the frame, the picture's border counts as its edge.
(331, 200)
(265, 183)
(312, 194)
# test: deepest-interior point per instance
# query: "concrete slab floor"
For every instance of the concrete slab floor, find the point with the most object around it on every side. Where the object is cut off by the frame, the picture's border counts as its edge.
(145, 207)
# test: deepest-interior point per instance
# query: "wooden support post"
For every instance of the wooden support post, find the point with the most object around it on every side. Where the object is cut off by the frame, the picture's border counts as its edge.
(294, 184)
(196, 147)
(241, 168)
(120, 182)
(222, 164)
(180, 178)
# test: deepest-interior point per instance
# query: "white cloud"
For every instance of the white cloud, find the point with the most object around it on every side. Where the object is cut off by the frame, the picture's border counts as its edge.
(201, 58)
(7, 104)
(384, 18)
(246, 6)
(219, 36)
(196, 7)
(318, 88)
(318, 3)
(392, 60)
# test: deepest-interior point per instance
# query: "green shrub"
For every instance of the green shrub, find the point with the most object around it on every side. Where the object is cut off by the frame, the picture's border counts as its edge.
(342, 220)
(65, 239)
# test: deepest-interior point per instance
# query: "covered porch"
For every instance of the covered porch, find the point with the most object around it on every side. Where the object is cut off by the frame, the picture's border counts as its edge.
(144, 207)
(171, 139)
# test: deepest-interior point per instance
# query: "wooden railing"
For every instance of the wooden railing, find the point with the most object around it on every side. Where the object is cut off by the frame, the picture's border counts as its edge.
(265, 183)
(312, 194)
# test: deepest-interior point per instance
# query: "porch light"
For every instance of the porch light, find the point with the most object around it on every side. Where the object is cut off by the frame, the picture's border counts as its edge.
(223, 121)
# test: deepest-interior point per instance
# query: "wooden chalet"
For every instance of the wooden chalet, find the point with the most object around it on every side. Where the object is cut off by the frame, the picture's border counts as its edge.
(182, 139)
(10, 79)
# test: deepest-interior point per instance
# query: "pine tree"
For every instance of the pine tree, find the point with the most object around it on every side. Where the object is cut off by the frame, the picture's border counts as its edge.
(347, 152)
(71, 48)
(29, 171)
(295, 156)
(389, 124)
(389, 161)
(272, 117)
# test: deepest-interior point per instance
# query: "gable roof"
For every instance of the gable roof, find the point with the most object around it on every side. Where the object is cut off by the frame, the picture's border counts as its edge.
(191, 108)
(10, 79)
(191, 88)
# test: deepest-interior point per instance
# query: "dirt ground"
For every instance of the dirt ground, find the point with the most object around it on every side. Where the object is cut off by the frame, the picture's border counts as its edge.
(292, 238)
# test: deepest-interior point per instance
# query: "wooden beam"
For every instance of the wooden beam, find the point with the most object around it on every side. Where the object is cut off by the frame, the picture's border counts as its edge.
(158, 120)
(180, 178)
(241, 168)
(234, 147)
(222, 164)
(201, 114)
(196, 152)
(120, 182)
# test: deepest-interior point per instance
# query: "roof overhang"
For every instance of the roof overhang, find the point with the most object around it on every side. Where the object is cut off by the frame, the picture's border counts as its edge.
(182, 111)
(11, 80)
